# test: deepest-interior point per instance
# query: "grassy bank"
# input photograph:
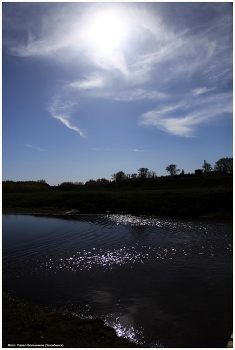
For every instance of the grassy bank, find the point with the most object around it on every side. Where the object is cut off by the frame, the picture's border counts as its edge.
(29, 324)
(167, 202)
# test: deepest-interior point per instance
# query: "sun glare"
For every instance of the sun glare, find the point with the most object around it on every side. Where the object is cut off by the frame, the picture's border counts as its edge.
(106, 31)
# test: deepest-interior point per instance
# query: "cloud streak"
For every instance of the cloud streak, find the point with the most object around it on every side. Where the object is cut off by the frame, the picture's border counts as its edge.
(90, 82)
(37, 148)
(182, 119)
(121, 149)
(61, 109)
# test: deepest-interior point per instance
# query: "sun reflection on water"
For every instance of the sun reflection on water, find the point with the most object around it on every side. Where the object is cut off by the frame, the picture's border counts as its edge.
(122, 324)
(82, 260)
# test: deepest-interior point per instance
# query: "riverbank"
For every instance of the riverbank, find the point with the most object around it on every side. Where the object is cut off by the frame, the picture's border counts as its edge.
(28, 325)
(220, 217)
(188, 202)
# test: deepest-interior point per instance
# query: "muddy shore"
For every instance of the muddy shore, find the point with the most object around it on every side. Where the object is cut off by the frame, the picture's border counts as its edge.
(28, 325)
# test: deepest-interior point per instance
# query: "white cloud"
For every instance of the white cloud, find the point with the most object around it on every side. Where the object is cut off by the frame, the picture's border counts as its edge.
(183, 118)
(120, 149)
(179, 58)
(90, 82)
(37, 148)
(60, 109)
(157, 56)
(201, 90)
(139, 150)
(64, 36)
(110, 60)
(139, 94)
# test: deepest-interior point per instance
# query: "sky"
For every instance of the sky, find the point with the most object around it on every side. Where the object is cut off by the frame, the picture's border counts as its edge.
(90, 89)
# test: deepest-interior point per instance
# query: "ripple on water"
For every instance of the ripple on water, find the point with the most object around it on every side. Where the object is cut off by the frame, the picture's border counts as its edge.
(165, 256)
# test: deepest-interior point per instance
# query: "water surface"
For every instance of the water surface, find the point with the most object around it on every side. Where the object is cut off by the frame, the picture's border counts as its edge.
(161, 282)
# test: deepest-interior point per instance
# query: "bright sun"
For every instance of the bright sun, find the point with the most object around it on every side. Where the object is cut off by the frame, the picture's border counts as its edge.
(106, 31)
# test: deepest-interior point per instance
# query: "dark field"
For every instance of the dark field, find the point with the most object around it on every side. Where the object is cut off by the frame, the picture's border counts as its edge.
(212, 197)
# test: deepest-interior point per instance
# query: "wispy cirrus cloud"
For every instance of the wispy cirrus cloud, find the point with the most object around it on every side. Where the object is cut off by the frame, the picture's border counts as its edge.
(140, 150)
(60, 108)
(37, 148)
(182, 119)
(120, 149)
(156, 58)
(201, 90)
(63, 35)
(89, 82)
(139, 94)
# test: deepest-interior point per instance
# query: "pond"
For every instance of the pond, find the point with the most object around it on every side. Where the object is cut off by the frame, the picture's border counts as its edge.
(160, 282)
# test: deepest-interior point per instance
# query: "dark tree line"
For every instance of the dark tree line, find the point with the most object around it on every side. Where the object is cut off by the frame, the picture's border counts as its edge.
(143, 174)
(25, 186)
(222, 166)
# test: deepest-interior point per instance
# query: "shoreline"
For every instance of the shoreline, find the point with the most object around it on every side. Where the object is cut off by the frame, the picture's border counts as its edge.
(29, 325)
(75, 212)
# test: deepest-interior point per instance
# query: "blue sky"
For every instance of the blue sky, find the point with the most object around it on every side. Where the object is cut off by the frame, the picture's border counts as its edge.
(90, 89)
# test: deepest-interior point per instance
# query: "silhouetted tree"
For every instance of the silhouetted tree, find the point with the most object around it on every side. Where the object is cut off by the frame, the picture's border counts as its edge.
(207, 167)
(143, 173)
(152, 174)
(102, 181)
(66, 185)
(171, 169)
(224, 164)
(90, 182)
(119, 177)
